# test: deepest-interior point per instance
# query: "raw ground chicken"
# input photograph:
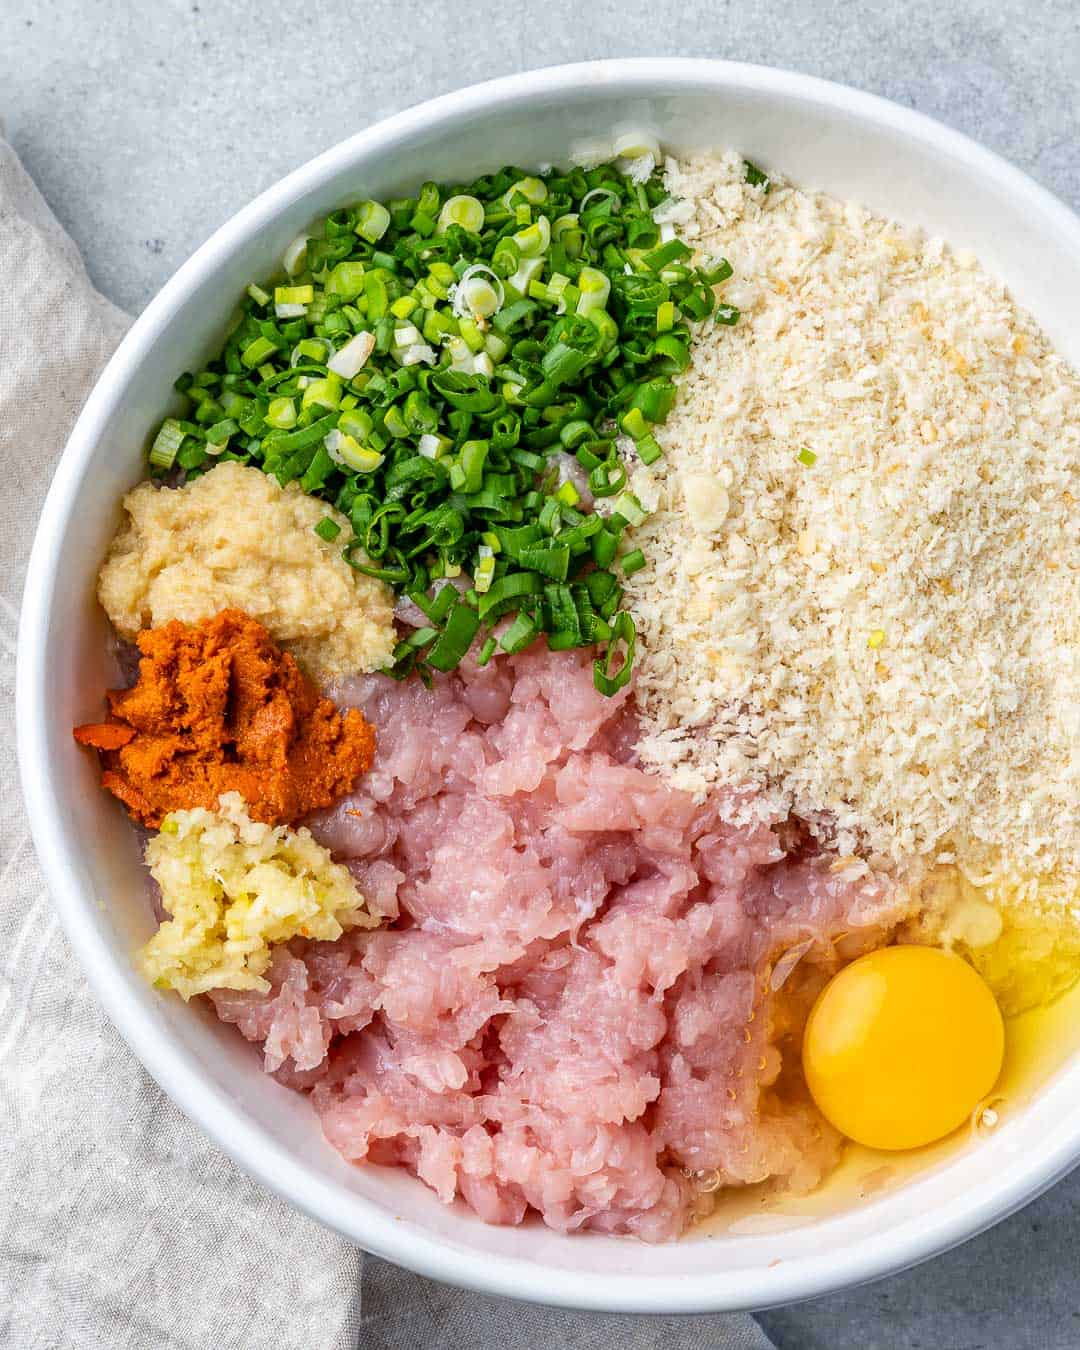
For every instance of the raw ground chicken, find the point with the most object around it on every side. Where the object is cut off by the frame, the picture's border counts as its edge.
(567, 1012)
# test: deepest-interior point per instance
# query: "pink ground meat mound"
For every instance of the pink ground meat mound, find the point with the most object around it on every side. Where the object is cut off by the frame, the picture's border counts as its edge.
(568, 1009)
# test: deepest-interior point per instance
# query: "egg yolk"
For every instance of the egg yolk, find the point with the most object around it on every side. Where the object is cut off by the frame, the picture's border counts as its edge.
(901, 1045)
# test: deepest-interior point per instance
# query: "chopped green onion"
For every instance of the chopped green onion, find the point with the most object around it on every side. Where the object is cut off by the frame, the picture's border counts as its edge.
(607, 478)
(295, 256)
(602, 587)
(294, 295)
(549, 560)
(550, 517)
(281, 413)
(351, 359)
(166, 443)
(256, 352)
(220, 432)
(807, 457)
(343, 449)
(422, 363)
(346, 280)
(325, 393)
(595, 287)
(636, 145)
(372, 221)
(754, 176)
(648, 447)
(455, 639)
(608, 200)
(673, 251)
(420, 637)
(463, 210)
(604, 547)
(528, 270)
(327, 529)
(654, 398)
(478, 296)
(484, 574)
(608, 680)
(714, 271)
(506, 591)
(534, 240)
(534, 190)
(631, 510)
(287, 441)
(633, 423)
(520, 634)
(561, 618)
(473, 456)
(508, 318)
(433, 447)
(355, 423)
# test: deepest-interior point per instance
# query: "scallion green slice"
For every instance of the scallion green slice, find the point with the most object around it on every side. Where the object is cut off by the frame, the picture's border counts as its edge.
(166, 444)
(327, 529)
(608, 677)
(455, 639)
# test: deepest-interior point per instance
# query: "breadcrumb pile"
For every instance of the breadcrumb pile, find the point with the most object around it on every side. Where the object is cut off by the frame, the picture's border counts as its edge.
(864, 585)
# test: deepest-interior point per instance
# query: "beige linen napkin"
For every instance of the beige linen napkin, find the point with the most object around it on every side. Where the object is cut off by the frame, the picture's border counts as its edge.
(121, 1226)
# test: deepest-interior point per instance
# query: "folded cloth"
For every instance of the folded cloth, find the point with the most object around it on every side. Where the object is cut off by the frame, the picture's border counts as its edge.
(402, 1312)
(121, 1226)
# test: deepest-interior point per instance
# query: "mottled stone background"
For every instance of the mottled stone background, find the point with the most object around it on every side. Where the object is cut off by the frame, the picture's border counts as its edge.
(148, 124)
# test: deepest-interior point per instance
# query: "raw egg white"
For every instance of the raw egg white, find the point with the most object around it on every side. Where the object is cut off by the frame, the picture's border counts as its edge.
(901, 1046)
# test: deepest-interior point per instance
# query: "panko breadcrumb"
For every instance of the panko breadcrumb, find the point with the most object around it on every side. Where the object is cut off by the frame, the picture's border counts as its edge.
(234, 539)
(873, 613)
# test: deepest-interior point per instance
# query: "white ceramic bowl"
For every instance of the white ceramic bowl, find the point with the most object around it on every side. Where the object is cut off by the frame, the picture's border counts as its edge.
(821, 135)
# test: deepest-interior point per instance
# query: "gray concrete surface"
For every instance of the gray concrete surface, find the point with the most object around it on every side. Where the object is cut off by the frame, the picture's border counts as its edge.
(147, 124)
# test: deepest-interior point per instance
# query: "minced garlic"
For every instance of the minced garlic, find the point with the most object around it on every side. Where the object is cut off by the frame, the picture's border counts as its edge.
(234, 887)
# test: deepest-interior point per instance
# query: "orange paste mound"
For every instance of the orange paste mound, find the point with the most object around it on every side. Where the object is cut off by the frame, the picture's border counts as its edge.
(219, 708)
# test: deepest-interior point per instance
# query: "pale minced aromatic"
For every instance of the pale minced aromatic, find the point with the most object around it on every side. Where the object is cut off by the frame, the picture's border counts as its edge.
(863, 591)
(235, 539)
(234, 887)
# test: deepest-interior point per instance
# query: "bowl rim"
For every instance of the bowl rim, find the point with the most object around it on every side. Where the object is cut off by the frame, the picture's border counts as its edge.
(358, 1219)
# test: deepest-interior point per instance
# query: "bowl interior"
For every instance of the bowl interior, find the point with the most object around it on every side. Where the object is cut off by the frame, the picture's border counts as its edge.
(818, 135)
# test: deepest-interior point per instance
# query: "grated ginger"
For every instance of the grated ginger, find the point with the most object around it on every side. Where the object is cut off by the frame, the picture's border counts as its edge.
(234, 539)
